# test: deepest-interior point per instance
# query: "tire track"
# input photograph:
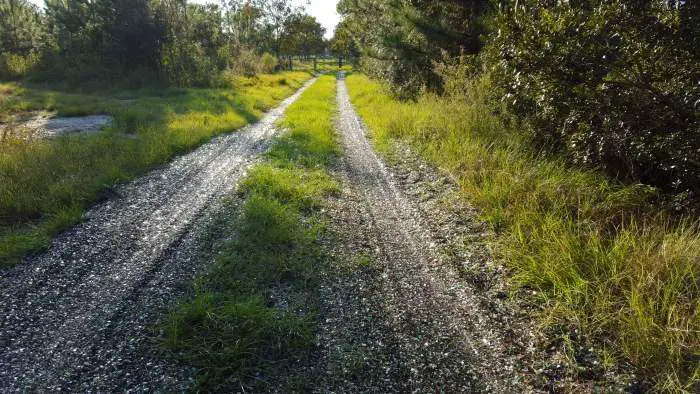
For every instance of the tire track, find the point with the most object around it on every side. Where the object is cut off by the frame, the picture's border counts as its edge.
(429, 330)
(77, 316)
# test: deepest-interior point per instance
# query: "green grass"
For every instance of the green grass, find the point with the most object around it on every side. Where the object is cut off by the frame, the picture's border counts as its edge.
(46, 185)
(253, 315)
(602, 257)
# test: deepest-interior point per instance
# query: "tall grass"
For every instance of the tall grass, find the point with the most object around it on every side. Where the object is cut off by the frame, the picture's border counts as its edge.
(45, 185)
(602, 256)
(254, 313)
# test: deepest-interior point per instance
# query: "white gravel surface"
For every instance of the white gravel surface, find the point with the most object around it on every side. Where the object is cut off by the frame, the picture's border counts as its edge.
(77, 317)
(47, 125)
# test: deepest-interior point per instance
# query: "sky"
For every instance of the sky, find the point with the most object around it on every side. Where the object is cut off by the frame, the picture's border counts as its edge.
(324, 11)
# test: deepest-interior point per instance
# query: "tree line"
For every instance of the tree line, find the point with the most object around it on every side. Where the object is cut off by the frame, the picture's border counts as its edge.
(609, 84)
(139, 41)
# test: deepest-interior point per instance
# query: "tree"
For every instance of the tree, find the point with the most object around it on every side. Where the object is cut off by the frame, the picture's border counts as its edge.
(342, 44)
(121, 34)
(303, 36)
(401, 39)
(21, 28)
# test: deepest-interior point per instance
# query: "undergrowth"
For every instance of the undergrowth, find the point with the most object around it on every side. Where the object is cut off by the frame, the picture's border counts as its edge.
(45, 185)
(602, 256)
(253, 315)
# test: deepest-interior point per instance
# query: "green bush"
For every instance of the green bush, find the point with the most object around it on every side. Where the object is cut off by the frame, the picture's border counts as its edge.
(14, 66)
(611, 84)
(246, 63)
(268, 63)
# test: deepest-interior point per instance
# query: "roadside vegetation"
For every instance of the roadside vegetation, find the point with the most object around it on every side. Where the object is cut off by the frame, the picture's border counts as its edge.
(601, 256)
(252, 317)
(573, 126)
(45, 185)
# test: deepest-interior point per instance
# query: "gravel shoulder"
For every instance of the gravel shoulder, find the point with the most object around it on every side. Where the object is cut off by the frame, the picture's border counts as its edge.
(77, 317)
(419, 305)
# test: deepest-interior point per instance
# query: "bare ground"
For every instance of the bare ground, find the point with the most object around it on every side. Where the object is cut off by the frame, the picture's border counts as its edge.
(77, 317)
(42, 124)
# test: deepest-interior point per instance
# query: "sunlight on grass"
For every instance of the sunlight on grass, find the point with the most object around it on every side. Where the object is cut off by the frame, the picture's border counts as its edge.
(254, 313)
(602, 256)
(45, 185)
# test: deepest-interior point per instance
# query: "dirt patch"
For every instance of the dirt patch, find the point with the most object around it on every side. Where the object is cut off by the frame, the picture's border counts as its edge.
(42, 124)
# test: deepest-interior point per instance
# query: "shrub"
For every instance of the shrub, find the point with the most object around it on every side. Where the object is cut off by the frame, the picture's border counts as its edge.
(611, 84)
(268, 63)
(246, 63)
(14, 66)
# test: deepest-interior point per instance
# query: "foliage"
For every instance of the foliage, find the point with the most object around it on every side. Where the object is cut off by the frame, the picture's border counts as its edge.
(195, 48)
(101, 38)
(14, 66)
(602, 259)
(400, 40)
(342, 44)
(612, 84)
(22, 35)
(274, 26)
(146, 42)
(254, 313)
(303, 36)
(21, 27)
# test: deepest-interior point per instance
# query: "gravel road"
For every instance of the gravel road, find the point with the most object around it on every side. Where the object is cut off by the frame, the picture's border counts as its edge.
(77, 317)
(411, 322)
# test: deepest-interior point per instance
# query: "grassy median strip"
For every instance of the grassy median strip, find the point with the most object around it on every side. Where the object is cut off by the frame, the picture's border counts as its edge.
(601, 255)
(45, 185)
(253, 314)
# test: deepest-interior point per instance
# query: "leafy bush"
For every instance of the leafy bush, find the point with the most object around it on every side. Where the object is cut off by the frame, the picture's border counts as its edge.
(246, 63)
(14, 66)
(185, 64)
(612, 84)
(268, 63)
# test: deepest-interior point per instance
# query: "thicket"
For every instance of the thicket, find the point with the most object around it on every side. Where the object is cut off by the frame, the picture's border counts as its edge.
(612, 84)
(139, 42)
(609, 85)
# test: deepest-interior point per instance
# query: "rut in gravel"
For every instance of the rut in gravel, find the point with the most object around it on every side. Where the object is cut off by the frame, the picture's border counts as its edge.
(77, 317)
(414, 321)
